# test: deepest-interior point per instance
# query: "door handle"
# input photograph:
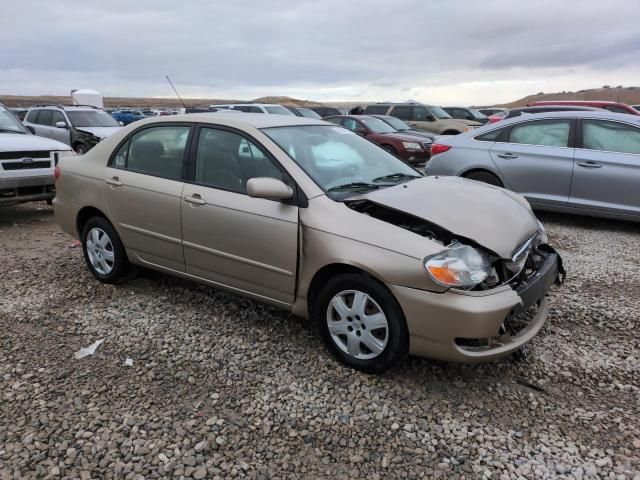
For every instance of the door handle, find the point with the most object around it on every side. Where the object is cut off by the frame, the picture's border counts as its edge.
(195, 199)
(113, 181)
(589, 164)
(508, 156)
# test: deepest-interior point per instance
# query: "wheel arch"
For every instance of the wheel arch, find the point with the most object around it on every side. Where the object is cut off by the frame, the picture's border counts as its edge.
(85, 214)
(449, 131)
(471, 170)
(333, 270)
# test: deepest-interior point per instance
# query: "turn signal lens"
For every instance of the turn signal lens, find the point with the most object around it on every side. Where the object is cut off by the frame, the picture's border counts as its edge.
(56, 173)
(459, 266)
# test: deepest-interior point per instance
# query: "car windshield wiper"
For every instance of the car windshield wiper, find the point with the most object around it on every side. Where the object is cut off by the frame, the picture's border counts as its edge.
(394, 176)
(354, 186)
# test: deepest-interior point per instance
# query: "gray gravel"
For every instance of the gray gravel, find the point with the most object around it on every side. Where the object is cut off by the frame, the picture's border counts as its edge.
(225, 387)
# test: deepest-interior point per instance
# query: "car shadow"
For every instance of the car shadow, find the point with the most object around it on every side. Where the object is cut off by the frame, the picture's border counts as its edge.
(24, 214)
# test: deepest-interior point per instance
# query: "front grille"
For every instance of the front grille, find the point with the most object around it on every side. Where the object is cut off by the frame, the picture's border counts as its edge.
(19, 155)
(25, 166)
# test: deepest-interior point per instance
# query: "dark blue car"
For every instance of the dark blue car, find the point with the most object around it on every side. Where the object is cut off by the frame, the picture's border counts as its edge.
(127, 116)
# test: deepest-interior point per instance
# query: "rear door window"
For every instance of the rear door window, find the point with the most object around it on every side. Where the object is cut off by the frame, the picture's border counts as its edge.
(551, 133)
(32, 117)
(610, 136)
(45, 117)
(157, 151)
(376, 110)
(403, 112)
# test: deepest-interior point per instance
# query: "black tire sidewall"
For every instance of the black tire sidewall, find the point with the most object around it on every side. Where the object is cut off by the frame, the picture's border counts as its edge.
(80, 146)
(398, 343)
(485, 177)
(121, 263)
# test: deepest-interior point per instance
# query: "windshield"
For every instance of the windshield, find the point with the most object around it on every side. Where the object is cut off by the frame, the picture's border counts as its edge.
(9, 123)
(277, 109)
(477, 114)
(341, 162)
(439, 112)
(396, 123)
(305, 112)
(92, 118)
(376, 125)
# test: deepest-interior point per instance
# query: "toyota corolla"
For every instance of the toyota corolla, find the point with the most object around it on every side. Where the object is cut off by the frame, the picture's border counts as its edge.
(315, 219)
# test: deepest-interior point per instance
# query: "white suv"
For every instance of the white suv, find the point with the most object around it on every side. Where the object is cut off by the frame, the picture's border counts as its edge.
(271, 108)
(27, 162)
(80, 127)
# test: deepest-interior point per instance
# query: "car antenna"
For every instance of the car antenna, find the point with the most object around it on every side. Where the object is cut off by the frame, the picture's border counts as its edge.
(174, 89)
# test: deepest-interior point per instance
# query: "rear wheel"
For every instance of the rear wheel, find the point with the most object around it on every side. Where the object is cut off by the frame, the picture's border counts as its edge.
(103, 251)
(361, 323)
(486, 177)
(80, 149)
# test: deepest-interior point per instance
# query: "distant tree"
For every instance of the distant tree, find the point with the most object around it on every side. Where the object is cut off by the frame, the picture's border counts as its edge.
(619, 86)
(540, 93)
(606, 86)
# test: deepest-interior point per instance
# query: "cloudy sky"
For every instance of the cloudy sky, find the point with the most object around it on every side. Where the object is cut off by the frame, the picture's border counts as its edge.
(440, 51)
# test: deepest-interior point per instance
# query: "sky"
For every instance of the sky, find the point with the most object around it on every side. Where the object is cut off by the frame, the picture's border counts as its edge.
(455, 52)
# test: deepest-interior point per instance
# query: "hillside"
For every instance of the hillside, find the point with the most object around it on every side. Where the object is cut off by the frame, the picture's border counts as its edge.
(111, 102)
(629, 95)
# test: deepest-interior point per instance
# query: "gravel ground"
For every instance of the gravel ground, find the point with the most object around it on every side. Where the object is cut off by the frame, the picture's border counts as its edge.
(225, 387)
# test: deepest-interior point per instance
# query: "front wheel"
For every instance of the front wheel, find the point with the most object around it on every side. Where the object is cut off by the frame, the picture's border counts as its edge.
(80, 149)
(361, 323)
(103, 251)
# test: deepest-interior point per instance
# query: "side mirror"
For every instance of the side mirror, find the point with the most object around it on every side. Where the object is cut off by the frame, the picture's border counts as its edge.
(430, 118)
(121, 123)
(269, 188)
(62, 125)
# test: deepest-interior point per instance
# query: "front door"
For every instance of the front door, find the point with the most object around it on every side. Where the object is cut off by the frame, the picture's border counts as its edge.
(143, 186)
(606, 175)
(61, 134)
(244, 243)
(536, 160)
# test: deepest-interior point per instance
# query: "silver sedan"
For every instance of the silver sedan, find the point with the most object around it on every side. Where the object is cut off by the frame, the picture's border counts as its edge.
(574, 162)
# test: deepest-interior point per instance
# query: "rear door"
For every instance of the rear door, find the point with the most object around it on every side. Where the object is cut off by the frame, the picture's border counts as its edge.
(244, 243)
(536, 159)
(143, 187)
(42, 126)
(607, 167)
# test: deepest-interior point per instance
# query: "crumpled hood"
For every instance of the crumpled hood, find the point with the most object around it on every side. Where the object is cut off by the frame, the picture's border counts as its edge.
(495, 218)
(100, 132)
(18, 142)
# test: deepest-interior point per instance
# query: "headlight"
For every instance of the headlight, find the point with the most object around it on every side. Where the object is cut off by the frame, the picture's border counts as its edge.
(458, 266)
(411, 146)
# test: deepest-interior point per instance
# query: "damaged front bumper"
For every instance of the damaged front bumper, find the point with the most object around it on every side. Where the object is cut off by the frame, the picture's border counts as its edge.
(475, 326)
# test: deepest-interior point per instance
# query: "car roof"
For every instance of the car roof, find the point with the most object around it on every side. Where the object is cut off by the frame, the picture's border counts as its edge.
(598, 114)
(255, 120)
(246, 105)
(575, 102)
(574, 108)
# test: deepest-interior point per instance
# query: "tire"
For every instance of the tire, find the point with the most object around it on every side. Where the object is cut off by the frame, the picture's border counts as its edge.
(390, 149)
(106, 259)
(486, 177)
(349, 335)
(80, 149)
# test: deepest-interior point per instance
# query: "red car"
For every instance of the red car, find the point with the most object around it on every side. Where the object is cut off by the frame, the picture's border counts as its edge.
(615, 107)
(410, 148)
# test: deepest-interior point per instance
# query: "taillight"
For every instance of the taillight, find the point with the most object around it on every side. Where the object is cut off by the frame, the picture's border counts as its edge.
(56, 173)
(439, 148)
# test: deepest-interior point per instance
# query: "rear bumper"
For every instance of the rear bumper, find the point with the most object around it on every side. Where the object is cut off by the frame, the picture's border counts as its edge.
(445, 326)
(66, 214)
